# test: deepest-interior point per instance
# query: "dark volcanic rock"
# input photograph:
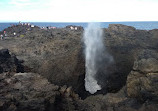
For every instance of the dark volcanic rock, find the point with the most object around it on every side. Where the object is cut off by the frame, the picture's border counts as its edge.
(116, 29)
(57, 54)
(118, 102)
(126, 44)
(31, 92)
(9, 63)
(20, 30)
(142, 82)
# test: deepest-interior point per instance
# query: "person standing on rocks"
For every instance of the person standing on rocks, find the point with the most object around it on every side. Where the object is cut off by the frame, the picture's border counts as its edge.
(5, 33)
(14, 34)
(1, 37)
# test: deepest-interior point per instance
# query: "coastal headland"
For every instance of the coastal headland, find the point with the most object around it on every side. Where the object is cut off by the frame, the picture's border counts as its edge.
(43, 69)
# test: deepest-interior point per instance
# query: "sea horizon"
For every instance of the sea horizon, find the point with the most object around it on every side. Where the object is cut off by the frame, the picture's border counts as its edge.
(142, 25)
(72, 22)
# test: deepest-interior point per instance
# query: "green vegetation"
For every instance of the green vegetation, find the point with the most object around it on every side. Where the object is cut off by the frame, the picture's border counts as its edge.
(21, 35)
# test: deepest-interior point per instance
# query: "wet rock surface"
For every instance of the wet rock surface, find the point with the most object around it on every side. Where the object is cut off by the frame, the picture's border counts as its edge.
(119, 102)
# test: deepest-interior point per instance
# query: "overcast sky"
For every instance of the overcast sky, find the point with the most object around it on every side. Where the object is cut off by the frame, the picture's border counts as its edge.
(78, 10)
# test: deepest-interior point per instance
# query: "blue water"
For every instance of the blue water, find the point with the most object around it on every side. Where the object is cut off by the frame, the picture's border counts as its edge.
(137, 25)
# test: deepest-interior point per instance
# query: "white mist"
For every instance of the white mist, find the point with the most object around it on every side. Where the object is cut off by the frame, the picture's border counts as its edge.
(94, 47)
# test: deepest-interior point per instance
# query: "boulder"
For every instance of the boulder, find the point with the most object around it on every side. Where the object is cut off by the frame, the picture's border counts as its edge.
(142, 80)
(121, 29)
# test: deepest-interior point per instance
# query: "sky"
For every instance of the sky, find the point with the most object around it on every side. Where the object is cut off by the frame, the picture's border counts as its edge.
(78, 10)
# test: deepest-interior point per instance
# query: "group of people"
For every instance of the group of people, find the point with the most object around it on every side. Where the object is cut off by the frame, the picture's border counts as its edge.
(48, 28)
(26, 24)
(3, 35)
(73, 28)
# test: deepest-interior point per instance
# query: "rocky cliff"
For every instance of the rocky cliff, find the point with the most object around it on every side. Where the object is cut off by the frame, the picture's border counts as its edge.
(58, 55)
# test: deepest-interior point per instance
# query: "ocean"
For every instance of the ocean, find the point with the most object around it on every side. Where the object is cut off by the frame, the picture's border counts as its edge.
(137, 25)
